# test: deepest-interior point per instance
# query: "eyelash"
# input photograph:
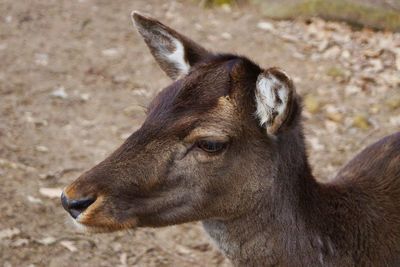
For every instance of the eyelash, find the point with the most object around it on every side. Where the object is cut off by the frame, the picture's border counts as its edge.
(211, 147)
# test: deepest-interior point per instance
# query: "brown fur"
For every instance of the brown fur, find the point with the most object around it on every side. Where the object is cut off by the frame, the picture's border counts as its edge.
(257, 198)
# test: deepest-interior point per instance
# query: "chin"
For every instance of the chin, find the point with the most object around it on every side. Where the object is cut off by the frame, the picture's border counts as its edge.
(92, 227)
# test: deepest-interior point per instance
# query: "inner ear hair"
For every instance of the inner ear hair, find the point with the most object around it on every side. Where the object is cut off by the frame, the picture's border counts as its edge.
(274, 98)
(174, 52)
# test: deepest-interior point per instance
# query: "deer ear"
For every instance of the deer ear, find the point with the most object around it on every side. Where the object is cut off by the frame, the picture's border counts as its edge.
(175, 53)
(274, 99)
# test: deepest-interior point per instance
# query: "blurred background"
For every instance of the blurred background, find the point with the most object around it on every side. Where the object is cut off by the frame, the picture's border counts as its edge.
(75, 77)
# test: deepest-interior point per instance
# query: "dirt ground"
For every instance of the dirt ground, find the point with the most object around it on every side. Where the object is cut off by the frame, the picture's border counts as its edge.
(75, 76)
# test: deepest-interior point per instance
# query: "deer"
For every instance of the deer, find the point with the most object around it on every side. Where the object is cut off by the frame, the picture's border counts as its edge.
(224, 144)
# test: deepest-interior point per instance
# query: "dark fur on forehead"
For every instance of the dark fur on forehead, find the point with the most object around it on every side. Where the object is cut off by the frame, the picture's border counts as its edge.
(178, 107)
(200, 90)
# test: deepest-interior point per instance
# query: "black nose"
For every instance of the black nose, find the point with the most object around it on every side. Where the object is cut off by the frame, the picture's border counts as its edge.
(76, 206)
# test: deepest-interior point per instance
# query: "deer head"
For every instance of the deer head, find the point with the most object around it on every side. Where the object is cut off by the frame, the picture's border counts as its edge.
(208, 147)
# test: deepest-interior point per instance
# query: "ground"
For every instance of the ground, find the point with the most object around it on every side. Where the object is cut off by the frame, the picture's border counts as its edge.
(74, 80)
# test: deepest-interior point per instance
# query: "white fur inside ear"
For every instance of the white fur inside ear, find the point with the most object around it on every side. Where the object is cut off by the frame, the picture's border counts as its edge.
(177, 57)
(271, 98)
(165, 46)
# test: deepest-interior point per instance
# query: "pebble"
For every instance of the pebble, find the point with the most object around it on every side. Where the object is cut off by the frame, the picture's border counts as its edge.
(59, 92)
(110, 52)
(41, 148)
(265, 26)
(332, 52)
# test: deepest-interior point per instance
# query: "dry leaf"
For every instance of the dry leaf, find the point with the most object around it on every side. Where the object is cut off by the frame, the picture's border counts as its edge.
(50, 192)
(360, 121)
(69, 245)
(311, 103)
(393, 102)
(49, 240)
(20, 242)
(34, 200)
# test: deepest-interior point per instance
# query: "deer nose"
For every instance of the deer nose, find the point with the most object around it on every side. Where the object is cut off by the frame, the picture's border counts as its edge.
(76, 206)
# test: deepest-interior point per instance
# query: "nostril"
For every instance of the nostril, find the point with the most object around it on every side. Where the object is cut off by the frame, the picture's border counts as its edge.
(81, 204)
(76, 206)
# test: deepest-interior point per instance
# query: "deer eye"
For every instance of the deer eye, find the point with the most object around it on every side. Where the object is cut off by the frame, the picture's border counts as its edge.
(211, 146)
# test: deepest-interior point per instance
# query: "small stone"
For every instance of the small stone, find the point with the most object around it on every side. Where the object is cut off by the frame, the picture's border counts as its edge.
(226, 8)
(395, 121)
(352, 89)
(124, 136)
(60, 92)
(42, 149)
(374, 109)
(133, 110)
(332, 52)
(110, 52)
(331, 126)
(120, 78)
(397, 52)
(372, 53)
(183, 250)
(376, 65)
(333, 113)
(226, 35)
(345, 54)
(142, 92)
(85, 96)
(202, 247)
(123, 258)
(335, 116)
(322, 45)
(265, 26)
(3, 46)
(198, 26)
(315, 144)
(116, 246)
(45, 176)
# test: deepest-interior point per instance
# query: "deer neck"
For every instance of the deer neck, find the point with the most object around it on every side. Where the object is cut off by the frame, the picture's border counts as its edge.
(286, 228)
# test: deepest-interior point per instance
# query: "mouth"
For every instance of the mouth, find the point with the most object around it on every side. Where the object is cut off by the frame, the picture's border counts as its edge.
(96, 229)
(101, 224)
(94, 220)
